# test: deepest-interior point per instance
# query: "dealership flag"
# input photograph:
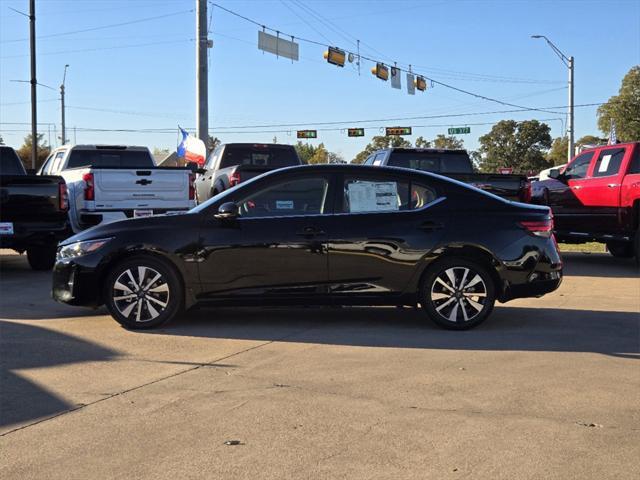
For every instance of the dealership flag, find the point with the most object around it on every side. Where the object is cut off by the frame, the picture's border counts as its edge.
(613, 138)
(192, 149)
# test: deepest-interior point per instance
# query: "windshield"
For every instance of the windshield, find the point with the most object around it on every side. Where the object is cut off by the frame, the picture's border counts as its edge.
(110, 158)
(432, 161)
(10, 164)
(275, 156)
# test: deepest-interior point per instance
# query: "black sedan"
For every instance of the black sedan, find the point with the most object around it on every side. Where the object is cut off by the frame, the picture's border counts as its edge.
(314, 235)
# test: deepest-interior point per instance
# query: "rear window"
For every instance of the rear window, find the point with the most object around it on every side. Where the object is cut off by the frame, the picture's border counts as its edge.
(432, 161)
(259, 155)
(110, 158)
(10, 163)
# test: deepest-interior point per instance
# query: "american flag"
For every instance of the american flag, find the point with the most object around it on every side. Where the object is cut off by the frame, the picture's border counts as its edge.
(613, 138)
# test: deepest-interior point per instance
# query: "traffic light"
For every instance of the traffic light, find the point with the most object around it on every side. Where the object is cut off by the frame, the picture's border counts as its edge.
(421, 83)
(335, 56)
(381, 71)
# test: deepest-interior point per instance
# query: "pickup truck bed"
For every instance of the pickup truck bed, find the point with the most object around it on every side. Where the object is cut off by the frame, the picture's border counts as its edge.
(33, 211)
(454, 164)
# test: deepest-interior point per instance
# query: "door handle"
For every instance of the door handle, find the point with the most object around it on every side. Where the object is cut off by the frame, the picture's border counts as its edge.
(429, 226)
(576, 187)
(310, 232)
(613, 185)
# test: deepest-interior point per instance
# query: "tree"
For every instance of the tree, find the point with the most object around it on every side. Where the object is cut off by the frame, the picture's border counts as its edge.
(591, 140)
(378, 143)
(212, 142)
(320, 155)
(519, 145)
(24, 152)
(558, 153)
(422, 143)
(443, 142)
(305, 151)
(335, 158)
(623, 109)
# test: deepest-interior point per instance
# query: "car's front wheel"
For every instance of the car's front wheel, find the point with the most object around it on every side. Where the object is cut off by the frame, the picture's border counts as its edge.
(458, 294)
(143, 292)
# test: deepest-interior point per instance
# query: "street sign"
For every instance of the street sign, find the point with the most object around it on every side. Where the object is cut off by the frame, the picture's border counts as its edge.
(355, 132)
(277, 45)
(505, 170)
(459, 130)
(307, 133)
(391, 131)
(411, 87)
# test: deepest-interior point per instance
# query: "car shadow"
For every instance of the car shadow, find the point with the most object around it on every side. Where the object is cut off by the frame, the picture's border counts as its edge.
(27, 346)
(508, 329)
(582, 264)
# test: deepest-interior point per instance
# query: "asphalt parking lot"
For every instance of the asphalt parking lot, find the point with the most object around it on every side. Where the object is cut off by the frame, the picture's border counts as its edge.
(546, 388)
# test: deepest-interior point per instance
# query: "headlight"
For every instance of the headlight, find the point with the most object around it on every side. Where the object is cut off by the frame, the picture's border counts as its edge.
(78, 249)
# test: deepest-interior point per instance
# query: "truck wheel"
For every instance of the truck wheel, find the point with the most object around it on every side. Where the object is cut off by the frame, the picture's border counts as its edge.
(143, 292)
(621, 249)
(42, 257)
(637, 247)
(457, 294)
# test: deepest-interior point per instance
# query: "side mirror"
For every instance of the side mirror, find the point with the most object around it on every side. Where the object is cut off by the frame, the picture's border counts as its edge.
(554, 173)
(227, 210)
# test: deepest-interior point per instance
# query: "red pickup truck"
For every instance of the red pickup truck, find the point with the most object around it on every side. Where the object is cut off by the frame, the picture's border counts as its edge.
(596, 197)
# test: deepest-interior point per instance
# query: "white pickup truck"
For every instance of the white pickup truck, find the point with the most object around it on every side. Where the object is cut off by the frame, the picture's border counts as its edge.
(110, 182)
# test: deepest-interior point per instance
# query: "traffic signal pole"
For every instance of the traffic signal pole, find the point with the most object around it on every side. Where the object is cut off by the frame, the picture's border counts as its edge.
(34, 82)
(202, 96)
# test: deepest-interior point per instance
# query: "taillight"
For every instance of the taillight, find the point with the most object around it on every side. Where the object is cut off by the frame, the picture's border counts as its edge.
(526, 192)
(63, 197)
(543, 228)
(234, 178)
(89, 191)
(192, 186)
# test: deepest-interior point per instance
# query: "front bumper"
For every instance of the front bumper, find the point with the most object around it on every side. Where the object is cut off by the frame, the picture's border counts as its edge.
(74, 285)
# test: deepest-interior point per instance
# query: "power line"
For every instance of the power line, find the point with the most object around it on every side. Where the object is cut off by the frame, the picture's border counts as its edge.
(102, 27)
(432, 80)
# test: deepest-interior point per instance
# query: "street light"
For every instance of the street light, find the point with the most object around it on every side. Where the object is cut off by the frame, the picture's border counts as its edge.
(568, 61)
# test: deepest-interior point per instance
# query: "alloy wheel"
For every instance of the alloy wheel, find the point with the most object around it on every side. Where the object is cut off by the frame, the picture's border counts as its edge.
(140, 294)
(458, 294)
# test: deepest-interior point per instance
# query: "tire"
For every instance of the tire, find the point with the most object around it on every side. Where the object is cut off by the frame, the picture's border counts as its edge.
(42, 257)
(637, 247)
(621, 249)
(159, 300)
(451, 307)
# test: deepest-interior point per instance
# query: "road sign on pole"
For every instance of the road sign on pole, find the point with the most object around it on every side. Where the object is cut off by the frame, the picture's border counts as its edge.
(459, 130)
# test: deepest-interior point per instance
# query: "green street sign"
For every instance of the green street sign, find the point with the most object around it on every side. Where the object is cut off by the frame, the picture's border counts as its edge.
(459, 130)
(355, 132)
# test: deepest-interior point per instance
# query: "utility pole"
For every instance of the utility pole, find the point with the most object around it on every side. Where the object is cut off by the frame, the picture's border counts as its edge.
(568, 61)
(34, 82)
(64, 77)
(202, 84)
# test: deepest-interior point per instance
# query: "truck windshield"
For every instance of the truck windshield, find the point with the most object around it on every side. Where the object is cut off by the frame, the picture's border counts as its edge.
(273, 156)
(10, 164)
(432, 161)
(110, 158)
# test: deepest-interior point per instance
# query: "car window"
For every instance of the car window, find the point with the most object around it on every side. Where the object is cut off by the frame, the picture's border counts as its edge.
(578, 168)
(105, 157)
(379, 159)
(44, 169)
(213, 158)
(432, 161)
(635, 162)
(608, 162)
(275, 156)
(55, 164)
(369, 160)
(10, 163)
(370, 194)
(300, 196)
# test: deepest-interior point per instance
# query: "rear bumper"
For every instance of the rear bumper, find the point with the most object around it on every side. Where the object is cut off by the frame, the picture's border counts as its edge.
(35, 233)
(88, 218)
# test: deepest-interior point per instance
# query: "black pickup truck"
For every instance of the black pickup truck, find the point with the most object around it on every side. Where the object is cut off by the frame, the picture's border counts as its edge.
(454, 164)
(33, 211)
(232, 163)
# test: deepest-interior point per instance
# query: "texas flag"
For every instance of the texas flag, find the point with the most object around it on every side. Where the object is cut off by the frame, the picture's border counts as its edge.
(192, 149)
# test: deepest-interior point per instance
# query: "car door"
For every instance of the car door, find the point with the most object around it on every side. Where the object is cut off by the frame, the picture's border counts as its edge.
(383, 226)
(599, 193)
(275, 248)
(568, 209)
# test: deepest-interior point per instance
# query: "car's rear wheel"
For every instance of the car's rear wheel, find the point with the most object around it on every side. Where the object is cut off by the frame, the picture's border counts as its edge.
(458, 294)
(42, 257)
(143, 292)
(621, 249)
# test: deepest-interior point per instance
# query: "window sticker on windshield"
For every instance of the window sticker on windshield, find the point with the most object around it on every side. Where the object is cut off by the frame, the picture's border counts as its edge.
(373, 197)
(604, 163)
(284, 204)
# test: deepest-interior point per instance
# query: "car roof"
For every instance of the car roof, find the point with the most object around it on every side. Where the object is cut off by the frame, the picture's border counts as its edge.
(431, 150)
(103, 147)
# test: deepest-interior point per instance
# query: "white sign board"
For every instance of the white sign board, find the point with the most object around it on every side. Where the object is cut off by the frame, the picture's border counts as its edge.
(278, 46)
(411, 88)
(395, 78)
(373, 197)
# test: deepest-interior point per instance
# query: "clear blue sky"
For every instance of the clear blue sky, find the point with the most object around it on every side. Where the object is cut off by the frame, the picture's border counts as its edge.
(142, 75)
